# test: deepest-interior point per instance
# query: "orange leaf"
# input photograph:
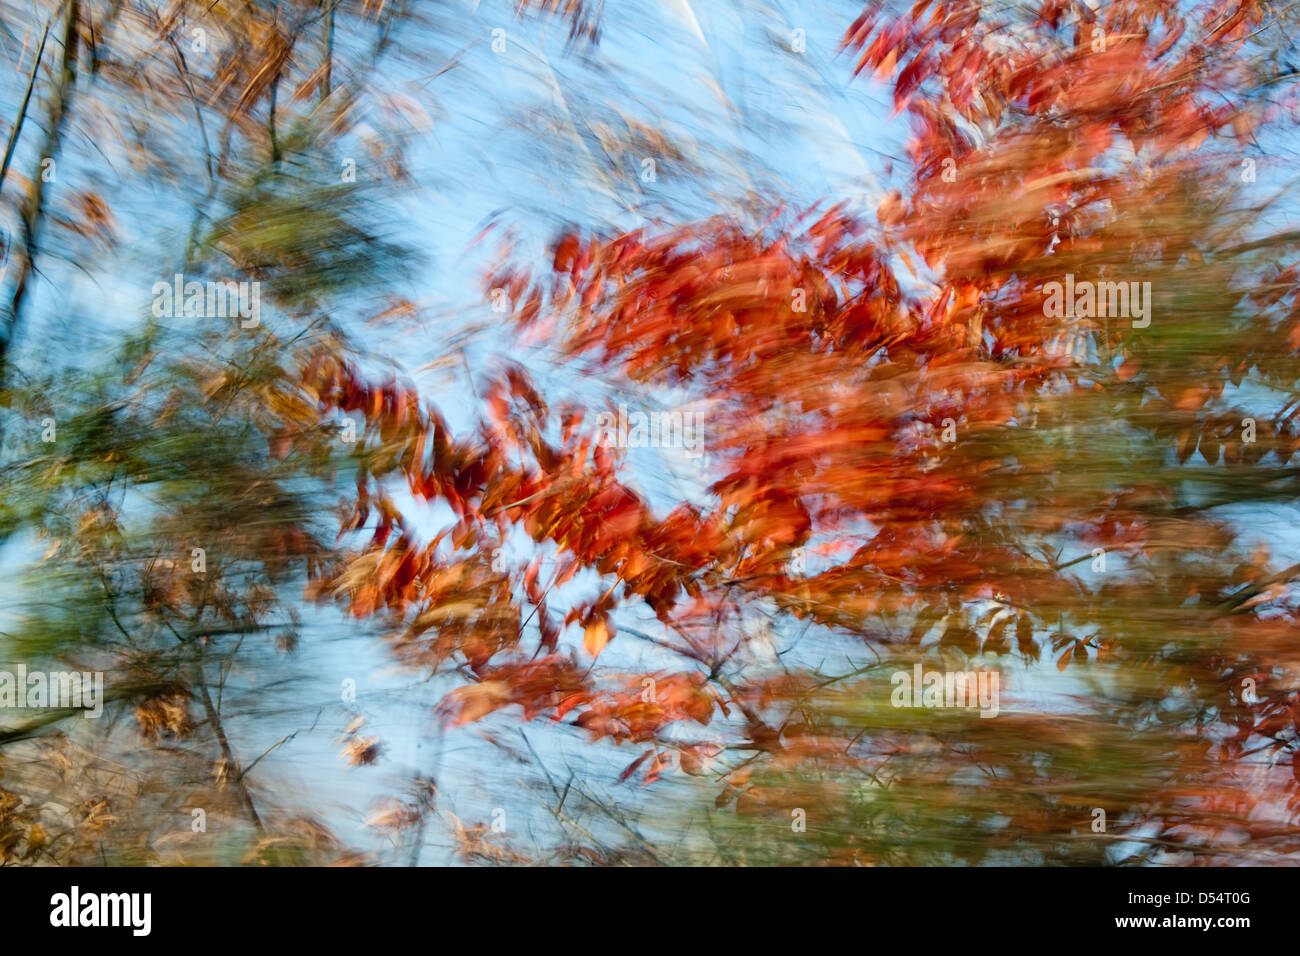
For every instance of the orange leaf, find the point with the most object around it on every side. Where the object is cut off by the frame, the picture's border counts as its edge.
(596, 636)
(631, 768)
